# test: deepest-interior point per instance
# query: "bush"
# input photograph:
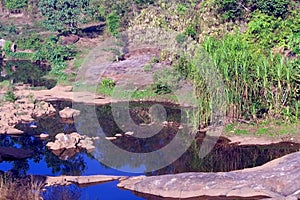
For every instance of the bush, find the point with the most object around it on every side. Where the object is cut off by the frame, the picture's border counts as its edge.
(113, 22)
(33, 42)
(270, 31)
(10, 96)
(277, 8)
(166, 81)
(230, 9)
(108, 83)
(15, 4)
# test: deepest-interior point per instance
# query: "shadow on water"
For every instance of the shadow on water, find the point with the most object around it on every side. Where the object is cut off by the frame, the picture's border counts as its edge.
(224, 156)
(26, 72)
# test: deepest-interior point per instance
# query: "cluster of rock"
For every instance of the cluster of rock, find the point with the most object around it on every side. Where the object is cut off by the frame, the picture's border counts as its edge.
(66, 146)
(22, 111)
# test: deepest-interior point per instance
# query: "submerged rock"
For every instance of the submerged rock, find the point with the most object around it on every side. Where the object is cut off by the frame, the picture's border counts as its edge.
(279, 178)
(69, 113)
(67, 145)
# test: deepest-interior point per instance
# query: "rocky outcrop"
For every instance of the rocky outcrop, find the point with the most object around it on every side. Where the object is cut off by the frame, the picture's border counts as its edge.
(10, 153)
(277, 179)
(68, 113)
(67, 145)
(22, 111)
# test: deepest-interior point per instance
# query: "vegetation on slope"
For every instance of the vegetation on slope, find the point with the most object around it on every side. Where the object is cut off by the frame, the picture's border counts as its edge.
(253, 43)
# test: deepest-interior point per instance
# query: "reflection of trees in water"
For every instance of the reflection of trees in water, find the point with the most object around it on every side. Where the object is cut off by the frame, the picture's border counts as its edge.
(71, 192)
(73, 166)
(224, 157)
(228, 157)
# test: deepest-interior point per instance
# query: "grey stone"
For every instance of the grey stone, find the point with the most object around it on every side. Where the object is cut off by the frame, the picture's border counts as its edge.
(278, 179)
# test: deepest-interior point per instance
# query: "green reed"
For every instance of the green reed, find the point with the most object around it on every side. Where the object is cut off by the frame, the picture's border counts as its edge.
(257, 84)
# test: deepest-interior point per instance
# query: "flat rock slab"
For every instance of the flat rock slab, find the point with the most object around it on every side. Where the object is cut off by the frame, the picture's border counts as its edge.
(278, 179)
(80, 180)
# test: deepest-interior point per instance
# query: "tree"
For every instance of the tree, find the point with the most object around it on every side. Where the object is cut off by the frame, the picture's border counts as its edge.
(63, 15)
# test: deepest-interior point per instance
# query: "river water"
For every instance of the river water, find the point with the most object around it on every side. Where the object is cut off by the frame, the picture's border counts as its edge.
(224, 156)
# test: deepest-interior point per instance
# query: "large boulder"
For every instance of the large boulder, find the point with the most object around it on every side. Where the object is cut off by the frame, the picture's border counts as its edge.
(277, 179)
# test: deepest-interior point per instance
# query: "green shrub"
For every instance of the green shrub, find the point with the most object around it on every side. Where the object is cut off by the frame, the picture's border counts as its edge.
(277, 8)
(10, 96)
(108, 83)
(113, 22)
(181, 38)
(269, 31)
(166, 81)
(181, 9)
(191, 31)
(12, 29)
(230, 9)
(33, 42)
(15, 4)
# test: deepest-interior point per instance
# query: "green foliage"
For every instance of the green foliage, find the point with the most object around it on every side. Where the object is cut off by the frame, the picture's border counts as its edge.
(108, 83)
(113, 23)
(166, 81)
(181, 9)
(270, 31)
(15, 4)
(12, 29)
(257, 84)
(147, 67)
(7, 46)
(64, 15)
(277, 8)
(10, 96)
(5, 84)
(32, 42)
(230, 9)
(54, 53)
(181, 38)
(191, 31)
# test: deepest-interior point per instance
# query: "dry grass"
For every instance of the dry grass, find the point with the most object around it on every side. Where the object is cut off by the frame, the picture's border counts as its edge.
(21, 189)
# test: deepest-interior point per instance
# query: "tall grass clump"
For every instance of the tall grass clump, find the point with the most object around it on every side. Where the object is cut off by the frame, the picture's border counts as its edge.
(258, 83)
(20, 189)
